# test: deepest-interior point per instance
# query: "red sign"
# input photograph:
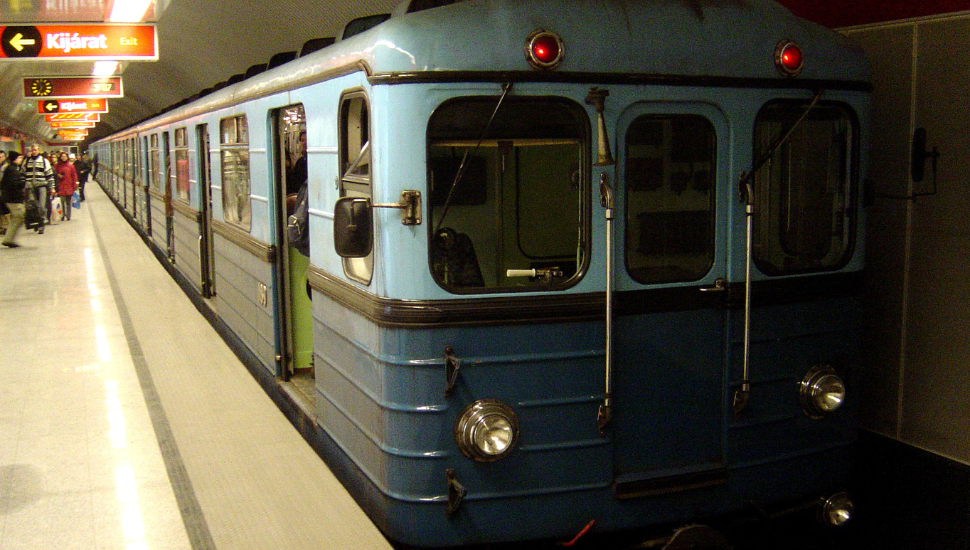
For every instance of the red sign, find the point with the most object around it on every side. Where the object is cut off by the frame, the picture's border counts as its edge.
(79, 41)
(57, 87)
(73, 124)
(72, 135)
(73, 117)
(81, 105)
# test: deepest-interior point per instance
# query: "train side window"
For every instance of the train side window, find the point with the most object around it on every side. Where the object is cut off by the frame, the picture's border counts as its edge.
(234, 142)
(355, 168)
(182, 165)
(508, 195)
(156, 163)
(670, 162)
(803, 206)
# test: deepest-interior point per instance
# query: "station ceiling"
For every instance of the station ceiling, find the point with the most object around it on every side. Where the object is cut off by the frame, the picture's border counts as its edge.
(200, 43)
(204, 42)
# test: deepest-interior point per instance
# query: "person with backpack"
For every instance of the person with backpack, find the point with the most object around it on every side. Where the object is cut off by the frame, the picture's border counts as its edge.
(40, 180)
(12, 194)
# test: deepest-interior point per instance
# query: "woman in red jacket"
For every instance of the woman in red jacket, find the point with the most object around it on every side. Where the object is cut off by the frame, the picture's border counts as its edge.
(66, 182)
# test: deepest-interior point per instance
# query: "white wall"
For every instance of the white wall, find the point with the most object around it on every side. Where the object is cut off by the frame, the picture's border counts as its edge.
(917, 383)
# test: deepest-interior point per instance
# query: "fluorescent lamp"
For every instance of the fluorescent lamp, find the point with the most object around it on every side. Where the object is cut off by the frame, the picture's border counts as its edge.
(104, 68)
(129, 11)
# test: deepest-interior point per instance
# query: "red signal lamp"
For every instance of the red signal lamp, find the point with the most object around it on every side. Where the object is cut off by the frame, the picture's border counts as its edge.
(788, 58)
(544, 50)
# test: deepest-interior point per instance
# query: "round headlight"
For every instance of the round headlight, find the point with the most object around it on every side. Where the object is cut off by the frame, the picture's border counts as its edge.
(486, 430)
(836, 510)
(821, 391)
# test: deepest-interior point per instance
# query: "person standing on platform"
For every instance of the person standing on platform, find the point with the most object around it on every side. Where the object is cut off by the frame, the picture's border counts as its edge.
(66, 183)
(13, 193)
(83, 167)
(40, 180)
(4, 213)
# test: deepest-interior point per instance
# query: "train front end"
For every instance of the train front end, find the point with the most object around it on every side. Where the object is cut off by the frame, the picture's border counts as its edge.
(632, 295)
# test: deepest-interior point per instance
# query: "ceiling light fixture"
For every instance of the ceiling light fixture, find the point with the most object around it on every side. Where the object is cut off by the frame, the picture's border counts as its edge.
(129, 11)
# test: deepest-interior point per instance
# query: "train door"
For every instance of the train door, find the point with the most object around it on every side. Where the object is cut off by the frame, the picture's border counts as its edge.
(206, 255)
(169, 211)
(294, 308)
(669, 335)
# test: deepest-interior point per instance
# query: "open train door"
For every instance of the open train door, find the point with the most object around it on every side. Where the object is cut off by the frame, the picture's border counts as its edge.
(294, 306)
(669, 331)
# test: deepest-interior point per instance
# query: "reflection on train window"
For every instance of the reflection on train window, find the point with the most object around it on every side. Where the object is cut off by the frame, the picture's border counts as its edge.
(355, 158)
(508, 193)
(234, 139)
(156, 164)
(670, 169)
(802, 194)
(182, 165)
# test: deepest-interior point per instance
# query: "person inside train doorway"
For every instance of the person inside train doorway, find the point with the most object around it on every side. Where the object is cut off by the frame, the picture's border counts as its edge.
(83, 168)
(40, 180)
(296, 174)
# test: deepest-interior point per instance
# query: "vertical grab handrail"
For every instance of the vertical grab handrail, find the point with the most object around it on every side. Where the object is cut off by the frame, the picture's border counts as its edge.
(743, 394)
(605, 413)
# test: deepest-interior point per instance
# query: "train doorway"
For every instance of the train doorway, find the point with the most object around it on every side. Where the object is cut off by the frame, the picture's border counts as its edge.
(669, 347)
(169, 210)
(206, 255)
(294, 309)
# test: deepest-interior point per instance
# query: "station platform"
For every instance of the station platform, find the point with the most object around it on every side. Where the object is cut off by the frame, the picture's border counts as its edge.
(127, 422)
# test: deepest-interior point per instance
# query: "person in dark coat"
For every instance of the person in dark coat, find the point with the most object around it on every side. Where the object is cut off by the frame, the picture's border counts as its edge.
(12, 194)
(83, 168)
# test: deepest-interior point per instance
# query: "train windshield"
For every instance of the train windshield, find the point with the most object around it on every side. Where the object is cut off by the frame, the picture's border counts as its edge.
(507, 198)
(803, 216)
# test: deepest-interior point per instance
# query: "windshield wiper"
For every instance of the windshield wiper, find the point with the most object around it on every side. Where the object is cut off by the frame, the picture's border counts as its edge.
(506, 88)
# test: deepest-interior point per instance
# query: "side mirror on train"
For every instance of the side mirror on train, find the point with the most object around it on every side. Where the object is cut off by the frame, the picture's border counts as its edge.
(353, 227)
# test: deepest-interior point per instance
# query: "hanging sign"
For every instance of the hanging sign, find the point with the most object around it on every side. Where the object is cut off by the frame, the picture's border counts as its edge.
(79, 41)
(72, 135)
(80, 105)
(73, 124)
(73, 117)
(62, 87)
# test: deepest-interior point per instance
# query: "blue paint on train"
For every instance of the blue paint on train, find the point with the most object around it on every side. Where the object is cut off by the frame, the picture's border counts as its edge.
(434, 323)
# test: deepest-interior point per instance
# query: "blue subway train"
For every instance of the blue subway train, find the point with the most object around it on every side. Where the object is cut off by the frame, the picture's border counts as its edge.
(525, 265)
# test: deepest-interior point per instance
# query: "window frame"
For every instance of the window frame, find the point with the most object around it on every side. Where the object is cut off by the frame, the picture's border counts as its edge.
(231, 146)
(850, 186)
(355, 185)
(583, 141)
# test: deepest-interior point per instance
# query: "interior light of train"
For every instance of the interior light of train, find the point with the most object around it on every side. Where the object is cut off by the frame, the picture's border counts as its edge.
(788, 58)
(544, 50)
(487, 430)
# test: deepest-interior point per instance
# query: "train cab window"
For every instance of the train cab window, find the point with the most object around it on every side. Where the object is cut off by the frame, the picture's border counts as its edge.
(155, 155)
(508, 193)
(355, 168)
(182, 165)
(234, 141)
(803, 215)
(669, 169)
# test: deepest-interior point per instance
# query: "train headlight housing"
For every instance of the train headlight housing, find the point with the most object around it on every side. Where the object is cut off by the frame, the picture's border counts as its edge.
(821, 391)
(487, 430)
(837, 510)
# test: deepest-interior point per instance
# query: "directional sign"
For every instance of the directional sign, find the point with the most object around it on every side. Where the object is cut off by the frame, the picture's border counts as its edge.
(73, 117)
(57, 87)
(73, 124)
(88, 105)
(79, 41)
(72, 135)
